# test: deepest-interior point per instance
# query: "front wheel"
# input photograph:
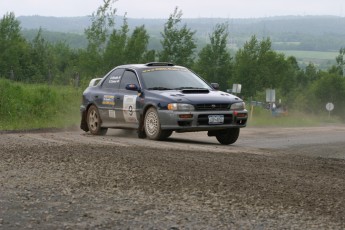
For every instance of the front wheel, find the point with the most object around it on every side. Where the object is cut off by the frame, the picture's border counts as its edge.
(228, 136)
(152, 126)
(94, 121)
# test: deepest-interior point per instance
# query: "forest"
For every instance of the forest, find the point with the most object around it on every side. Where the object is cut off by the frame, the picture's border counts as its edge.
(256, 64)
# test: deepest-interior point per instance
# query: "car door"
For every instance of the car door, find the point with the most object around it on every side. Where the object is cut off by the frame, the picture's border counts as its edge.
(107, 98)
(127, 100)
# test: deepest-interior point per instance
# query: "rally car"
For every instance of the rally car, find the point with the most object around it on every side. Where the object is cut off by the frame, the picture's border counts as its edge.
(157, 99)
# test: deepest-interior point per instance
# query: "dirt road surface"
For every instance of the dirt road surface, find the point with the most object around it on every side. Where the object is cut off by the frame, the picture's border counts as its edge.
(271, 178)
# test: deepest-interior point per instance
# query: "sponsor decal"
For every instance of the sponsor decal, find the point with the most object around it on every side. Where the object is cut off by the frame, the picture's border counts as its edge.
(108, 100)
(114, 79)
(129, 108)
(112, 114)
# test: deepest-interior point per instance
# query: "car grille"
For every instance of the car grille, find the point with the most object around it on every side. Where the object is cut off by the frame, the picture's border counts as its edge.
(212, 107)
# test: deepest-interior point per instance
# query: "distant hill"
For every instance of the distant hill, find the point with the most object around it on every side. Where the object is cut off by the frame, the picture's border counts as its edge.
(56, 24)
(287, 33)
(316, 33)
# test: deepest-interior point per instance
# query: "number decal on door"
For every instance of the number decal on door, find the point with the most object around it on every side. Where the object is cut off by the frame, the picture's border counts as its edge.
(129, 108)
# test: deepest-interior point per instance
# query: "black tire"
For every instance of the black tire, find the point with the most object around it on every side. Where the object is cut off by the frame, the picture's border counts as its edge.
(166, 133)
(228, 136)
(152, 126)
(94, 121)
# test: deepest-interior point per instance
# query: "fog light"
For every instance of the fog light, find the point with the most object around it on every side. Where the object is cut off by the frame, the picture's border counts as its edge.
(241, 114)
(184, 116)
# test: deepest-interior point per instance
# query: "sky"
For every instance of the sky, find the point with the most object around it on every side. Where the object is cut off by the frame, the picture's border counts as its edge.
(190, 8)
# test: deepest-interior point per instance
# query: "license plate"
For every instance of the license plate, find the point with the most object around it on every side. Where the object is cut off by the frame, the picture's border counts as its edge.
(216, 119)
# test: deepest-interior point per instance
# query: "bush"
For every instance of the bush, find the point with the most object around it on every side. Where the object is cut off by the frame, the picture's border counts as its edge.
(24, 106)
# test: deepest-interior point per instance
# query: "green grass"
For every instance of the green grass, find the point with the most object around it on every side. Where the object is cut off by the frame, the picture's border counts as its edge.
(29, 106)
(262, 118)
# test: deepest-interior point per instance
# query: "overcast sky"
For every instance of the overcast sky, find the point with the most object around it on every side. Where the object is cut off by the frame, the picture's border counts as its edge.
(190, 8)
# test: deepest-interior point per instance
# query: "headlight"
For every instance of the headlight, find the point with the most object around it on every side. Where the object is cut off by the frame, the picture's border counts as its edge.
(238, 106)
(180, 107)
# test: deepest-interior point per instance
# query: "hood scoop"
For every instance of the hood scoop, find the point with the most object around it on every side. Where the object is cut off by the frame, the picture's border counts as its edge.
(195, 91)
(177, 95)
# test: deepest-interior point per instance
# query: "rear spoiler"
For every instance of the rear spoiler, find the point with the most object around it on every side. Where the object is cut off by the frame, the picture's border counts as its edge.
(94, 82)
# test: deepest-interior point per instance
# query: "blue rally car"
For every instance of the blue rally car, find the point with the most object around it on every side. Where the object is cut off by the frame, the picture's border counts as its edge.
(157, 99)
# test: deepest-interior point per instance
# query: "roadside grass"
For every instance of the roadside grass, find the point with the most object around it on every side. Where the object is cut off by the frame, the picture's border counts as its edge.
(264, 118)
(32, 106)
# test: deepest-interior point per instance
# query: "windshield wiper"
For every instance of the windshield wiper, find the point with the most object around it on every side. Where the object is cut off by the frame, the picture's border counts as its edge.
(159, 88)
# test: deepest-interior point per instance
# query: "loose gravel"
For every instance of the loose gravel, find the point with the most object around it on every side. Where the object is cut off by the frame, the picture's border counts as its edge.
(68, 180)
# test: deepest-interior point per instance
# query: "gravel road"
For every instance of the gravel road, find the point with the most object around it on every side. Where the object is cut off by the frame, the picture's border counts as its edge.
(271, 178)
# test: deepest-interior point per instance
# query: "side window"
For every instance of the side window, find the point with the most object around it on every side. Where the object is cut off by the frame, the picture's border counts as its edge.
(129, 77)
(113, 79)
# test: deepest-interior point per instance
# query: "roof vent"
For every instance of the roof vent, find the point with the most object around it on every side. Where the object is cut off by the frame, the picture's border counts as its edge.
(159, 64)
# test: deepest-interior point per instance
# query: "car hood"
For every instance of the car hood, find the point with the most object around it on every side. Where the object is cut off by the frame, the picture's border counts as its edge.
(195, 96)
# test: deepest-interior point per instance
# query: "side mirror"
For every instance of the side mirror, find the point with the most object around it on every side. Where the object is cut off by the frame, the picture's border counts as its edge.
(215, 86)
(132, 87)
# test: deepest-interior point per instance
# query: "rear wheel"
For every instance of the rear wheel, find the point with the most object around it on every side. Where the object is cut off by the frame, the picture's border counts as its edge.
(152, 126)
(228, 136)
(94, 121)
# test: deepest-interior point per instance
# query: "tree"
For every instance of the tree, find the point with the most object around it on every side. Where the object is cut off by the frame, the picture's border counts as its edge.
(257, 67)
(311, 74)
(122, 49)
(64, 62)
(178, 43)
(329, 88)
(246, 67)
(115, 51)
(41, 59)
(214, 63)
(136, 48)
(102, 24)
(14, 57)
(341, 61)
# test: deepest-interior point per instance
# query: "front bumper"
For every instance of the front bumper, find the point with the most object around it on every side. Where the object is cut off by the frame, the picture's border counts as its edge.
(199, 120)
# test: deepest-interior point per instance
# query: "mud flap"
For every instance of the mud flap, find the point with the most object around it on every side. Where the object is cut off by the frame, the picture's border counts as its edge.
(83, 123)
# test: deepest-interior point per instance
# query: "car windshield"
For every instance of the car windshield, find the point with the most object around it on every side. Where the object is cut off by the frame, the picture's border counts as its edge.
(163, 78)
